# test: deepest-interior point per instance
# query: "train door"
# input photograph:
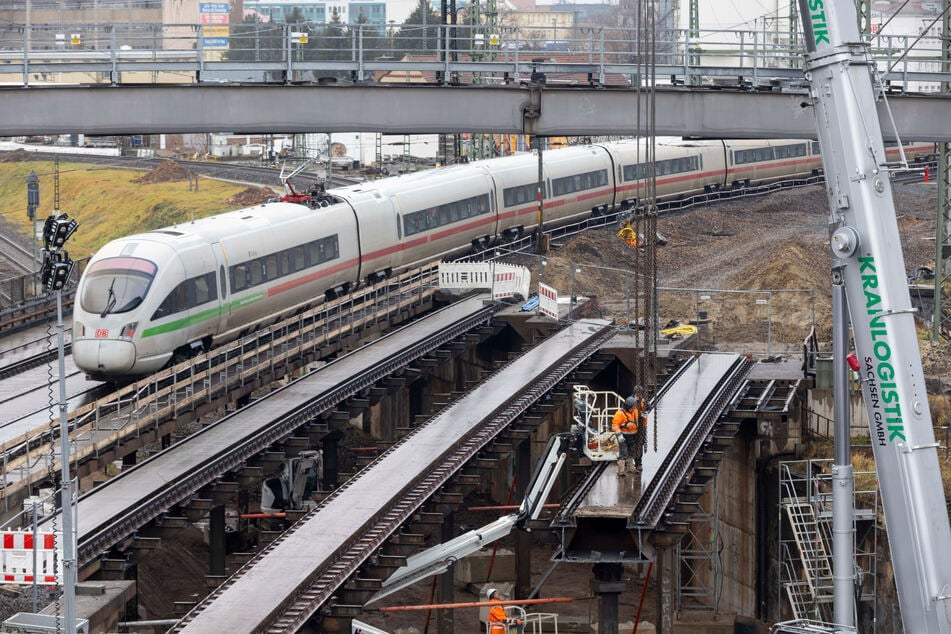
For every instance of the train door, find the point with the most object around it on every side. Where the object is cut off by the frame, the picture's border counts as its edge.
(221, 263)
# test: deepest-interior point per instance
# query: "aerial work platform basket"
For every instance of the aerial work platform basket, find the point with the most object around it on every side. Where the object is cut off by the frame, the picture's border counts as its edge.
(593, 412)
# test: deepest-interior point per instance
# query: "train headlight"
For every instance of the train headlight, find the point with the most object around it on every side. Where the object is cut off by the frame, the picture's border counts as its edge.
(79, 330)
(128, 331)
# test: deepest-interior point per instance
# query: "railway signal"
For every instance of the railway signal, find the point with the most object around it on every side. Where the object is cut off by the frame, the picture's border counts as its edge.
(56, 270)
(32, 194)
(57, 230)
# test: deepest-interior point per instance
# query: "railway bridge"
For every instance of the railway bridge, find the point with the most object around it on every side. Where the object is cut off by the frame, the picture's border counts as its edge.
(370, 522)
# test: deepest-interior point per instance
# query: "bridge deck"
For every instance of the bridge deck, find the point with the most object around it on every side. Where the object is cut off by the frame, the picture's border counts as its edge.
(253, 599)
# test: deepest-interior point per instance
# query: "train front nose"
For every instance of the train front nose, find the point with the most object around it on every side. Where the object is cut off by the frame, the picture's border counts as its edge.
(104, 356)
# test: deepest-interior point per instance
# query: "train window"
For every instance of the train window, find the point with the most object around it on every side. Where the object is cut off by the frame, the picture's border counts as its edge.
(202, 290)
(224, 282)
(754, 155)
(256, 270)
(815, 148)
(323, 250)
(116, 285)
(790, 151)
(271, 271)
(520, 195)
(635, 172)
(297, 257)
(239, 277)
(579, 182)
(175, 302)
(434, 217)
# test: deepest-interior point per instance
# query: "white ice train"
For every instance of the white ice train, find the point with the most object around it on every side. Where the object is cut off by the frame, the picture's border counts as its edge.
(158, 297)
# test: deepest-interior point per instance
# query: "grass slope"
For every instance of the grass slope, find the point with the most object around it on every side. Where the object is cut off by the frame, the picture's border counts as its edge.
(106, 202)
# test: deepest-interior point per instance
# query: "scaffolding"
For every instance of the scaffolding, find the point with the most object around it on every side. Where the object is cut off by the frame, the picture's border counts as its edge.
(805, 540)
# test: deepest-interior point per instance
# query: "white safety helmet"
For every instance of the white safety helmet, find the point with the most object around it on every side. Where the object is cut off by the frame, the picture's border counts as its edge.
(491, 592)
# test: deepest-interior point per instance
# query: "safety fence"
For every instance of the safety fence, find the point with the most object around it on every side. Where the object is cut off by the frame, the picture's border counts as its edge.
(463, 53)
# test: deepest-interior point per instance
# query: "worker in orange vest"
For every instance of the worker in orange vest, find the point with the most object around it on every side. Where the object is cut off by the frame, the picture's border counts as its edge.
(630, 423)
(499, 621)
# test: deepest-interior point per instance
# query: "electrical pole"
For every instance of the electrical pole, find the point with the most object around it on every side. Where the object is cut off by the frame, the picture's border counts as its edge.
(55, 273)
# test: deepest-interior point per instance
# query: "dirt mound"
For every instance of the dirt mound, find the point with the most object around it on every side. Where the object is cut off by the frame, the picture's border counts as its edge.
(167, 172)
(757, 268)
(252, 196)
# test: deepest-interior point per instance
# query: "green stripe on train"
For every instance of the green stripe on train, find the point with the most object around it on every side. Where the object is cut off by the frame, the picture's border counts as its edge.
(211, 313)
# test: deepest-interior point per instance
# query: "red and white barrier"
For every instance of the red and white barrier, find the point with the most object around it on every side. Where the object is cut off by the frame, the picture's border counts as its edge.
(504, 280)
(548, 301)
(16, 557)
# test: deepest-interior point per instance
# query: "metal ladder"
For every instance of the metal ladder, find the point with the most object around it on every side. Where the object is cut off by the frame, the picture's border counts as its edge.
(817, 565)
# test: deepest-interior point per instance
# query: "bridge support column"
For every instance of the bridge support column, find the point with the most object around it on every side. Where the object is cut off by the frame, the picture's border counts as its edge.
(608, 585)
(329, 444)
(444, 617)
(216, 541)
(523, 539)
(666, 578)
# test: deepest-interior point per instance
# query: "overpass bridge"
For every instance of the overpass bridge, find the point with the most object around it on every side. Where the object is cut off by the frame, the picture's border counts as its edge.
(164, 79)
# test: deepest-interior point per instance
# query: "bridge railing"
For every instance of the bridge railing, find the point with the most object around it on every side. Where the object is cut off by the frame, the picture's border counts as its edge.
(414, 53)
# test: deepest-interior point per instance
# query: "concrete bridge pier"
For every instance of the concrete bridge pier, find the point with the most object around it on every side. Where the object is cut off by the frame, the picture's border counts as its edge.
(608, 586)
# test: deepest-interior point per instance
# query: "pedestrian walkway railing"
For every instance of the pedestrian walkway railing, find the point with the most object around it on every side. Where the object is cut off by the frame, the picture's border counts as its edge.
(269, 52)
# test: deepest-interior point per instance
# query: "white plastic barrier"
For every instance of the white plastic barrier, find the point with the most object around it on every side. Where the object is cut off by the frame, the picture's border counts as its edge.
(503, 280)
(548, 301)
(16, 557)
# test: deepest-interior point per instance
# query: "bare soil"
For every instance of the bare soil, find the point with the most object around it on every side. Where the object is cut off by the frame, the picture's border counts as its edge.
(166, 172)
(252, 196)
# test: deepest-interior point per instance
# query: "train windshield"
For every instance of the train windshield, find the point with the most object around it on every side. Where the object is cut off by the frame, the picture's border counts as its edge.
(116, 285)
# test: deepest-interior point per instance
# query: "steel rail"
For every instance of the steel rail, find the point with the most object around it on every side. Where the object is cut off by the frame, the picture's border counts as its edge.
(576, 495)
(31, 362)
(310, 600)
(657, 495)
(14, 253)
(110, 534)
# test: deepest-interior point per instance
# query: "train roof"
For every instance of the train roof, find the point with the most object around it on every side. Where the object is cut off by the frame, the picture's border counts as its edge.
(214, 228)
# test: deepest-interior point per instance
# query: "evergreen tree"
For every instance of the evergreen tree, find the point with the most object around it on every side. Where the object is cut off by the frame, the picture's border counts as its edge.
(420, 31)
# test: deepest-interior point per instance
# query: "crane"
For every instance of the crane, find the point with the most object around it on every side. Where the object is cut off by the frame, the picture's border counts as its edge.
(867, 260)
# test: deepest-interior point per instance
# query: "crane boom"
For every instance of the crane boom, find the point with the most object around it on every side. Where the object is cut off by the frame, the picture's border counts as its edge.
(867, 259)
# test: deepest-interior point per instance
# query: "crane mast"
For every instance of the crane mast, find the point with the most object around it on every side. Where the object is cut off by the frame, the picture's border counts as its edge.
(867, 259)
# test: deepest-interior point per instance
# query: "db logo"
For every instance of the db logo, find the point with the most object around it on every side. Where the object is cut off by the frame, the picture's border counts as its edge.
(101, 333)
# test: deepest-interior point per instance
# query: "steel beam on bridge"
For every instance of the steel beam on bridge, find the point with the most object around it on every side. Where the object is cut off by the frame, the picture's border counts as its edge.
(512, 109)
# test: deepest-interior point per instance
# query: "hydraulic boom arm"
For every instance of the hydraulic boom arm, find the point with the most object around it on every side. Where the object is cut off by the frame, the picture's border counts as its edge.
(437, 559)
(867, 259)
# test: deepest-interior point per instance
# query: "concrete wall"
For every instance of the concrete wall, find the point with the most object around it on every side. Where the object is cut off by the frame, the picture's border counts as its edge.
(735, 488)
(820, 402)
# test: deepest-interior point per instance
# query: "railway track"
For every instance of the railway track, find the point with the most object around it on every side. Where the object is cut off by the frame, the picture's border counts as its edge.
(15, 256)
(16, 261)
(249, 174)
(459, 440)
(134, 409)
